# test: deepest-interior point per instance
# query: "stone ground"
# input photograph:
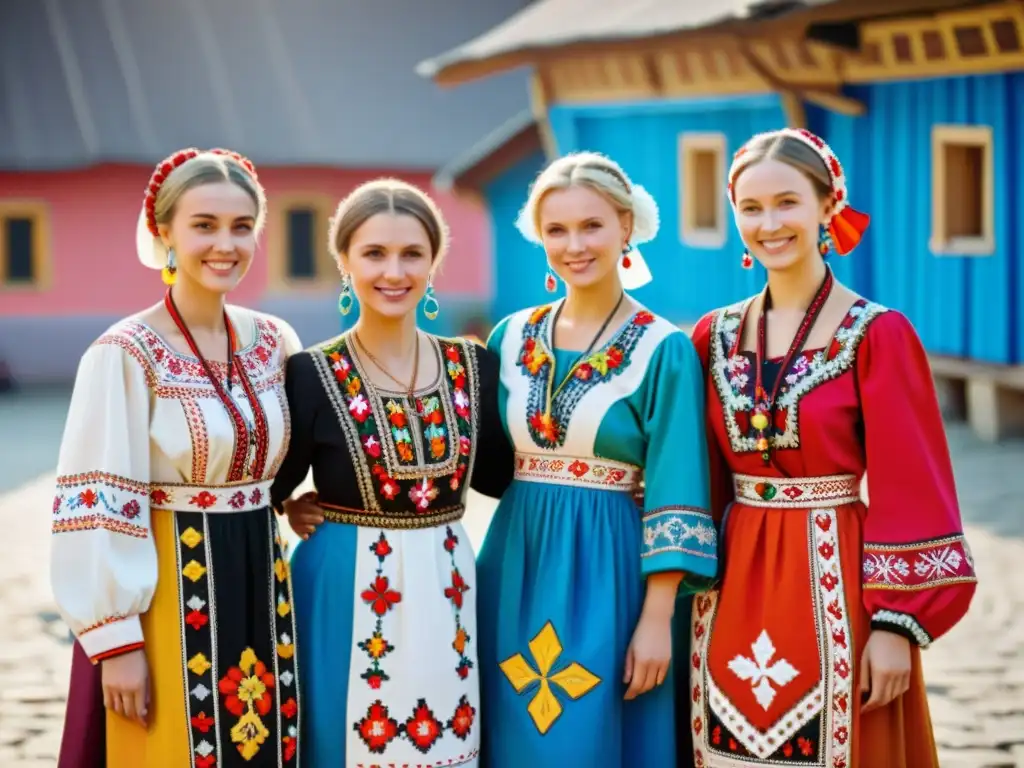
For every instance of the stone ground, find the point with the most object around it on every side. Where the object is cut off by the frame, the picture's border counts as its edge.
(975, 674)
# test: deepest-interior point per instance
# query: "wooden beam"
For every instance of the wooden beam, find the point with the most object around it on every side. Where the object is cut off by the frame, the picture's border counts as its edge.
(540, 98)
(652, 73)
(827, 98)
(834, 101)
(793, 106)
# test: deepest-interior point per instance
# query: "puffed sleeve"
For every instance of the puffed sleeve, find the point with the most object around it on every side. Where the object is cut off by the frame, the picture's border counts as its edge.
(103, 566)
(302, 388)
(719, 475)
(918, 573)
(678, 532)
(495, 459)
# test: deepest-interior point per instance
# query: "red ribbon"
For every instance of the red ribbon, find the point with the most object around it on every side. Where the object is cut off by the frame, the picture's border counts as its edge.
(847, 228)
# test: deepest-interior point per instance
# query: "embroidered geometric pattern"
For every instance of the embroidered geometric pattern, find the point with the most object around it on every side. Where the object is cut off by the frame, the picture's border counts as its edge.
(679, 529)
(579, 471)
(730, 370)
(574, 680)
(378, 728)
(536, 361)
(796, 492)
(918, 565)
(816, 731)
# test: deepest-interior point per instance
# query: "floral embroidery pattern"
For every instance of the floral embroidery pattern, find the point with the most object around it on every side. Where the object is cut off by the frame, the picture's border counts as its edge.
(537, 362)
(404, 456)
(247, 690)
(111, 502)
(381, 599)
(377, 728)
(732, 374)
(454, 593)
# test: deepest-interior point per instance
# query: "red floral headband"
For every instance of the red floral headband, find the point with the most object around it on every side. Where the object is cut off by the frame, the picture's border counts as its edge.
(164, 169)
(847, 226)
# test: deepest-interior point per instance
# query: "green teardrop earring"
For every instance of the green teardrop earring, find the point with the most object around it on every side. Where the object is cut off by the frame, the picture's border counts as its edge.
(346, 300)
(431, 306)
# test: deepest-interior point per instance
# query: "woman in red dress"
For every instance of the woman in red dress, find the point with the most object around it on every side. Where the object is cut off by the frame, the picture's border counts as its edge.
(808, 652)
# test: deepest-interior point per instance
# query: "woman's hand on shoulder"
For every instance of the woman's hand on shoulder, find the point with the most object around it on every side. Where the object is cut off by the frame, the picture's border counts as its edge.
(304, 514)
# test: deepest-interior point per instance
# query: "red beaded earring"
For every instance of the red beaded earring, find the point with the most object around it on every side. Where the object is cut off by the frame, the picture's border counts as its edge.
(748, 260)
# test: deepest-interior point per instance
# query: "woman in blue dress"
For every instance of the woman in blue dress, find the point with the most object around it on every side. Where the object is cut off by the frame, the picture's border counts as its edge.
(577, 584)
(396, 425)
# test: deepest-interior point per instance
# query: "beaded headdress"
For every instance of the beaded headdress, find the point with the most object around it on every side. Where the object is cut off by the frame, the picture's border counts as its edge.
(151, 250)
(847, 225)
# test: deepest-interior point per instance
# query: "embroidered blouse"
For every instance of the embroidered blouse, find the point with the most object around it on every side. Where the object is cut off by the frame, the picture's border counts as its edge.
(144, 416)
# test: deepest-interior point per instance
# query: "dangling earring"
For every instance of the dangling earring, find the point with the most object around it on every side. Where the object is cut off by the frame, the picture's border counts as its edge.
(824, 241)
(169, 274)
(346, 300)
(748, 260)
(626, 261)
(550, 284)
(431, 306)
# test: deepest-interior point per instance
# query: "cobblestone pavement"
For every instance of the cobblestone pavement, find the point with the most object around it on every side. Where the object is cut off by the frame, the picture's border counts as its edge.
(975, 674)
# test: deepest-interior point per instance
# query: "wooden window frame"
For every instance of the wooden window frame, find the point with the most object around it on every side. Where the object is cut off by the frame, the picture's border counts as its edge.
(280, 205)
(689, 186)
(941, 243)
(39, 212)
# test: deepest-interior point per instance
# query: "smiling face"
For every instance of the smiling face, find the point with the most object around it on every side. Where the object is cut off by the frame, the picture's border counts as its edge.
(583, 235)
(779, 213)
(389, 260)
(213, 234)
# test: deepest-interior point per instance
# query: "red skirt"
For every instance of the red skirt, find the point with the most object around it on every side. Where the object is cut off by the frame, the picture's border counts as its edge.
(776, 649)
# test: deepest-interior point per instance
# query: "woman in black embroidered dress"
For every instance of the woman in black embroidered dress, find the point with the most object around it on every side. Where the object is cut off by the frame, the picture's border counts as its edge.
(396, 424)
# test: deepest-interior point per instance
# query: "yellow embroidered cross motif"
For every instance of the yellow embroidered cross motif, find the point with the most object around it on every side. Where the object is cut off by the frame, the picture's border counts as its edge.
(575, 680)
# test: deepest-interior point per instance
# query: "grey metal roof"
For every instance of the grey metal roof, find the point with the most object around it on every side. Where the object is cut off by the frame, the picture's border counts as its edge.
(551, 23)
(287, 82)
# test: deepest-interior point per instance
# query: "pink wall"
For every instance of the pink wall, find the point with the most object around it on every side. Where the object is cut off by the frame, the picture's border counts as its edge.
(92, 239)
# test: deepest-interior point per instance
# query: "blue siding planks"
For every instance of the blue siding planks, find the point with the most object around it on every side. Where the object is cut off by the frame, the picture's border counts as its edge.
(519, 266)
(965, 306)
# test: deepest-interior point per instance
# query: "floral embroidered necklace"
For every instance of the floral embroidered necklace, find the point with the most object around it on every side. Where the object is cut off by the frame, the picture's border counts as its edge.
(764, 405)
(250, 454)
(552, 392)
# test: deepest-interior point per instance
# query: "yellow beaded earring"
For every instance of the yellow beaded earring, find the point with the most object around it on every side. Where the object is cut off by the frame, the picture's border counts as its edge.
(170, 272)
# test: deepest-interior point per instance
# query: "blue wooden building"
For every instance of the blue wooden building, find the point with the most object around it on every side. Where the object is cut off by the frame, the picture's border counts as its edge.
(923, 102)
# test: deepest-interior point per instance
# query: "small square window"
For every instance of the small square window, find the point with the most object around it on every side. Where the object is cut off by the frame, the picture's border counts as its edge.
(23, 245)
(962, 204)
(702, 216)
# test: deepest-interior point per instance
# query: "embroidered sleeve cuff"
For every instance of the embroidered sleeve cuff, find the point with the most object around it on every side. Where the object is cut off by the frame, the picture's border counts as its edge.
(901, 624)
(679, 539)
(112, 638)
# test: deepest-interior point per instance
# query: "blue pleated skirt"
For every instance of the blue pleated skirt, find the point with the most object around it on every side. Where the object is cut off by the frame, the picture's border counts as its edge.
(559, 598)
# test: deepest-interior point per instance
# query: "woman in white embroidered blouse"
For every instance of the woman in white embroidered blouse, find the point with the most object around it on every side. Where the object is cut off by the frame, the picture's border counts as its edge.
(167, 562)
